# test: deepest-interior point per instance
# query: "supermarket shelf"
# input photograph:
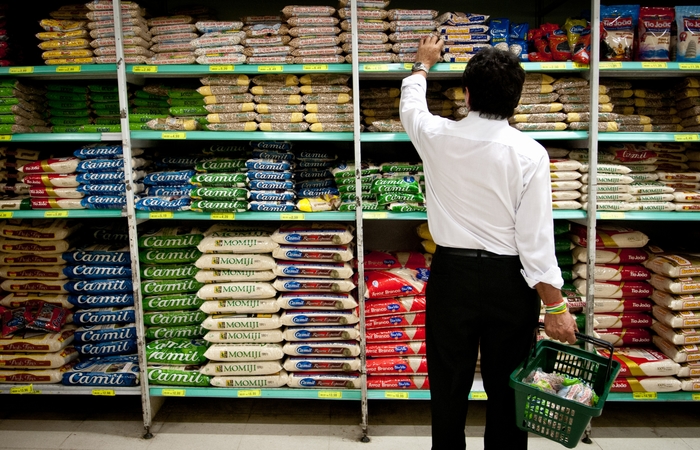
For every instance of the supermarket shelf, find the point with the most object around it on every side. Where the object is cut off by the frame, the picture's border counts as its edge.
(59, 389)
(670, 216)
(569, 214)
(653, 396)
(322, 394)
(62, 213)
(649, 137)
(388, 215)
(538, 135)
(647, 69)
(250, 215)
(454, 70)
(61, 137)
(67, 72)
(384, 137)
(240, 136)
(248, 69)
(477, 392)
(412, 394)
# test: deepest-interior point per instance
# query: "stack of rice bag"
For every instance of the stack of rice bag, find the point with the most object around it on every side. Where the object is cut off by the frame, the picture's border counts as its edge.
(146, 104)
(399, 189)
(621, 288)
(22, 108)
(407, 27)
(687, 104)
(229, 104)
(565, 174)
(186, 108)
(563, 248)
(220, 42)
(395, 285)
(66, 40)
(279, 108)
(172, 39)
(380, 108)
(314, 33)
(134, 30)
(263, 33)
(315, 186)
(168, 189)
(220, 184)
(14, 191)
(464, 34)
(83, 109)
(171, 307)
(320, 315)
(676, 281)
(650, 104)
(270, 177)
(328, 102)
(243, 322)
(538, 108)
(372, 40)
(344, 174)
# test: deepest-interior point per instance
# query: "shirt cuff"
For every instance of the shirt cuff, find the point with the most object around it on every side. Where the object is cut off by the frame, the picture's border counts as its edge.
(415, 79)
(551, 277)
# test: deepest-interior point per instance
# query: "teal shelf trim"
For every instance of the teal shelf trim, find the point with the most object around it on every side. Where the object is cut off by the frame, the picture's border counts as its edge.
(62, 213)
(218, 392)
(649, 137)
(82, 71)
(458, 68)
(250, 215)
(59, 389)
(248, 69)
(569, 214)
(240, 136)
(670, 216)
(384, 137)
(399, 394)
(654, 397)
(388, 215)
(648, 68)
(413, 394)
(54, 137)
(538, 135)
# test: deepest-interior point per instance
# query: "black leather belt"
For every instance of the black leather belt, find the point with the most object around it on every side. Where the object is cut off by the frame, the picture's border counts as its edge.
(470, 252)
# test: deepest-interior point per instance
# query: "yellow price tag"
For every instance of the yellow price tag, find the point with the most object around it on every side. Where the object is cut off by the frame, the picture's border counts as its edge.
(696, 397)
(479, 396)
(270, 69)
(578, 65)
(407, 66)
(222, 68)
(552, 66)
(250, 393)
(6, 215)
(458, 67)
(654, 65)
(291, 216)
(161, 215)
(686, 137)
(173, 392)
(644, 395)
(68, 69)
(6, 137)
(22, 389)
(104, 392)
(54, 214)
(316, 67)
(330, 394)
(223, 216)
(611, 65)
(396, 395)
(375, 215)
(19, 70)
(689, 66)
(145, 69)
(612, 215)
(375, 67)
(176, 135)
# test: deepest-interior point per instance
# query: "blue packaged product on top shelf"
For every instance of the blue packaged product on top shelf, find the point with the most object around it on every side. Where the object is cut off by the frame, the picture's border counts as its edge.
(519, 31)
(103, 202)
(104, 177)
(221, 150)
(688, 24)
(313, 184)
(95, 151)
(105, 333)
(176, 178)
(275, 196)
(316, 192)
(268, 175)
(273, 155)
(271, 185)
(105, 286)
(101, 301)
(109, 348)
(163, 204)
(104, 316)
(272, 145)
(271, 206)
(499, 29)
(106, 255)
(114, 371)
(169, 191)
(92, 272)
(261, 164)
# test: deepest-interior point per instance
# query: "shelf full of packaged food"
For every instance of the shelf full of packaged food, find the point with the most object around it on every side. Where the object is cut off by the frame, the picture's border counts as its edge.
(62, 214)
(649, 137)
(248, 215)
(454, 70)
(253, 392)
(59, 389)
(663, 216)
(648, 69)
(240, 136)
(63, 72)
(61, 137)
(179, 70)
(537, 135)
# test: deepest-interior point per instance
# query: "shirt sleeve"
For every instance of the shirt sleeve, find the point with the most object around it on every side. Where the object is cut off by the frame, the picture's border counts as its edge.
(413, 108)
(534, 230)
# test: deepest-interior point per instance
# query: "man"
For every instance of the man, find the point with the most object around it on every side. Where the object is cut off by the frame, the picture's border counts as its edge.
(490, 214)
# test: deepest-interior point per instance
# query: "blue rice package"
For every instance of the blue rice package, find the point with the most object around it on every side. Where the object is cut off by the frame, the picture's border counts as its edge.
(224, 149)
(322, 156)
(173, 178)
(313, 174)
(104, 333)
(103, 151)
(275, 196)
(101, 301)
(272, 145)
(519, 30)
(270, 185)
(163, 204)
(262, 164)
(273, 155)
(169, 191)
(268, 175)
(499, 29)
(103, 202)
(92, 272)
(314, 164)
(96, 287)
(183, 162)
(113, 371)
(108, 348)
(316, 192)
(106, 165)
(108, 189)
(688, 24)
(272, 206)
(320, 183)
(104, 316)
(99, 255)
(106, 177)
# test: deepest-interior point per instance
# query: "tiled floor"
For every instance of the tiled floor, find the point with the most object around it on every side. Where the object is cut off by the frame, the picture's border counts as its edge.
(61, 422)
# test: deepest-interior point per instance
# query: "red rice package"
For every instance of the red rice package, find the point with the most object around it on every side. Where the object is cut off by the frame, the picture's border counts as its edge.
(404, 320)
(581, 52)
(654, 33)
(411, 365)
(13, 320)
(558, 42)
(395, 283)
(48, 318)
(397, 382)
(609, 236)
(396, 334)
(538, 39)
(396, 349)
(624, 320)
(624, 337)
(393, 306)
(376, 260)
(617, 36)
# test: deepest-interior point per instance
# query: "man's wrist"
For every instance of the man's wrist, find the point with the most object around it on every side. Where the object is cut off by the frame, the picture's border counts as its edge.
(420, 66)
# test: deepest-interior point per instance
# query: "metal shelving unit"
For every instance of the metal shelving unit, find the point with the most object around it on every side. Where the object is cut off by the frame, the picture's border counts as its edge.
(286, 393)
(61, 137)
(62, 214)
(59, 389)
(250, 215)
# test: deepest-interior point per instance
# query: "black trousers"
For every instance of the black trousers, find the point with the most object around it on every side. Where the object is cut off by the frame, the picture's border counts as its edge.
(473, 302)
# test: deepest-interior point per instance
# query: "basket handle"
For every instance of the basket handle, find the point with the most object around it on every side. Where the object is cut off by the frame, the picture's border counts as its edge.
(592, 340)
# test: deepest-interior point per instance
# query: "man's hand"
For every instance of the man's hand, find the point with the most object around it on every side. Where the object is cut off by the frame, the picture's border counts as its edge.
(560, 327)
(429, 50)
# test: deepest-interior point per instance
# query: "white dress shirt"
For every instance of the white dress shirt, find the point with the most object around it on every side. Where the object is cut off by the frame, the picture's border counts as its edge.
(487, 185)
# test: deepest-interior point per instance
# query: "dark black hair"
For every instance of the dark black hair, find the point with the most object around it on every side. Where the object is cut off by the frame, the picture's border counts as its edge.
(494, 79)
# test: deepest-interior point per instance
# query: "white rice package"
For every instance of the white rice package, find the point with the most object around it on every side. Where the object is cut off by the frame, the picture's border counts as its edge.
(252, 381)
(244, 352)
(330, 348)
(341, 253)
(677, 319)
(676, 302)
(238, 290)
(321, 364)
(312, 285)
(322, 333)
(222, 276)
(225, 322)
(312, 269)
(321, 380)
(674, 265)
(245, 242)
(245, 261)
(241, 306)
(317, 233)
(245, 336)
(677, 336)
(678, 353)
(324, 318)
(640, 362)
(241, 368)
(313, 300)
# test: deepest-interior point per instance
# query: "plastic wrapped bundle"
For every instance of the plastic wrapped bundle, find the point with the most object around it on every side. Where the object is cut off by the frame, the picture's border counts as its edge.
(173, 38)
(22, 108)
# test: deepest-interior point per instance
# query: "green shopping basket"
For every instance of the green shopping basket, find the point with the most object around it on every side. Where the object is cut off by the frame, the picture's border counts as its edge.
(558, 419)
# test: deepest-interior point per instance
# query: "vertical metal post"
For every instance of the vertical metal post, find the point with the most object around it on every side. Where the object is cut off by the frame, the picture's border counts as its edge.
(359, 234)
(131, 216)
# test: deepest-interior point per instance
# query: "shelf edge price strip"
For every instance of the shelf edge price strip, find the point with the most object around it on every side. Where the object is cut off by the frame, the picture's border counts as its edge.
(173, 392)
(177, 135)
(222, 216)
(478, 395)
(18, 70)
(22, 390)
(396, 395)
(54, 214)
(689, 66)
(458, 67)
(696, 397)
(612, 215)
(330, 394)
(375, 67)
(375, 215)
(270, 69)
(686, 137)
(316, 67)
(68, 69)
(654, 65)
(161, 215)
(104, 392)
(5, 137)
(610, 65)
(552, 66)
(145, 69)
(644, 395)
(250, 393)
(6, 214)
(291, 216)
(222, 68)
